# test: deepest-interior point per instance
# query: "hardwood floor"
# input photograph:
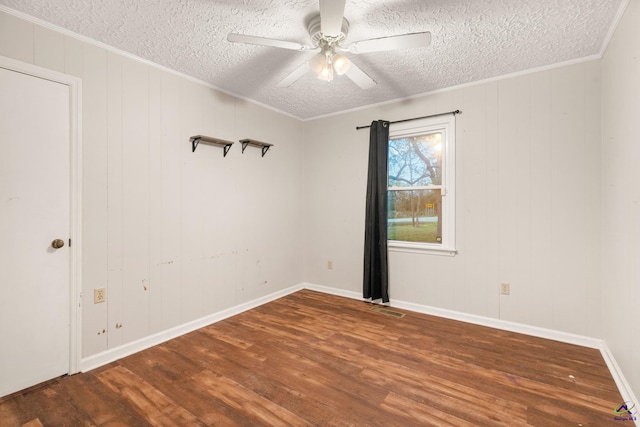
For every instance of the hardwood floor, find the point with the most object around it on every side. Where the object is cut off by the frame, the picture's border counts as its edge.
(315, 359)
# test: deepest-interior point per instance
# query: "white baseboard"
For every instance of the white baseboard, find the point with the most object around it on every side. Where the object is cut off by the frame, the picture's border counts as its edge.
(472, 318)
(623, 386)
(111, 355)
(332, 291)
(504, 325)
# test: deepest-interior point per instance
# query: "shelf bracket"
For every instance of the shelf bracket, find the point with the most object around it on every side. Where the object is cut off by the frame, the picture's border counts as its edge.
(264, 146)
(226, 145)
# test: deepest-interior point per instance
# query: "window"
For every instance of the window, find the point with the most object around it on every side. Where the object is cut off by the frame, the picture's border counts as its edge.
(420, 189)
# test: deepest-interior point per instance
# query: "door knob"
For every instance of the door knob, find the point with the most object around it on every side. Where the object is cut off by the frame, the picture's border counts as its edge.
(57, 243)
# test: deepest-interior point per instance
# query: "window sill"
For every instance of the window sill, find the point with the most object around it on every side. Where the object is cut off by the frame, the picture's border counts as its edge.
(417, 248)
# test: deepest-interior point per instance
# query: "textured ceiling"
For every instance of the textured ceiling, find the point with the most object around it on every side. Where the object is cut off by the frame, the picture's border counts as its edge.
(471, 40)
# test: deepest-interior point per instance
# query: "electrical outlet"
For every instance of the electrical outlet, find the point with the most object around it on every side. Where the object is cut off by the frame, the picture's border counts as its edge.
(505, 289)
(330, 265)
(99, 295)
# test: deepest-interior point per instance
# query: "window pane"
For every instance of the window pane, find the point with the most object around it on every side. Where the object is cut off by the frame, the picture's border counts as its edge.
(416, 160)
(415, 216)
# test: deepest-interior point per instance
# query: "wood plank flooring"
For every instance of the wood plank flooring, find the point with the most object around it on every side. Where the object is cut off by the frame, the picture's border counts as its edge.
(315, 359)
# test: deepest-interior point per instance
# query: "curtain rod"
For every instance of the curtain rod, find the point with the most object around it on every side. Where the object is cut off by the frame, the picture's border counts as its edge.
(416, 118)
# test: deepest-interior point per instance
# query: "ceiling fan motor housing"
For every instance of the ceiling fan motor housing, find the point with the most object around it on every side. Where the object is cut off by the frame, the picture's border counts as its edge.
(316, 35)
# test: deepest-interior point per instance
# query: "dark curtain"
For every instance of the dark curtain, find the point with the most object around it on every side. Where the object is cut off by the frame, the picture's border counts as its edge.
(376, 271)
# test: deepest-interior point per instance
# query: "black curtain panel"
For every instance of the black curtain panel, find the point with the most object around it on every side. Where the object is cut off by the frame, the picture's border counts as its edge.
(376, 270)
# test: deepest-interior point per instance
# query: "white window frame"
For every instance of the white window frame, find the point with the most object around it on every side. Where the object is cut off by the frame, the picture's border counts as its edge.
(447, 126)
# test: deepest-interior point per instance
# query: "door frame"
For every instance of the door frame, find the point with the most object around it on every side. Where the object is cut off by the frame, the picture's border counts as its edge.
(75, 207)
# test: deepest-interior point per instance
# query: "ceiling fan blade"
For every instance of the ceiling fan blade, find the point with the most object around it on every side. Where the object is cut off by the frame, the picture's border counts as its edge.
(404, 41)
(331, 13)
(359, 77)
(294, 76)
(263, 41)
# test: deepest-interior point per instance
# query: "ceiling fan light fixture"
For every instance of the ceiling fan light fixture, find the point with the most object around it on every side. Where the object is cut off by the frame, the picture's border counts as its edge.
(341, 63)
(317, 63)
(326, 73)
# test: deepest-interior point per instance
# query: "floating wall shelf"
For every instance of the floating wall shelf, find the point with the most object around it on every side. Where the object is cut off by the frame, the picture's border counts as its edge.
(252, 142)
(195, 140)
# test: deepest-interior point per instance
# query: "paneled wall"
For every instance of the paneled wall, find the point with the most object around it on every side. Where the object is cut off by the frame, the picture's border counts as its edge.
(621, 197)
(173, 235)
(528, 201)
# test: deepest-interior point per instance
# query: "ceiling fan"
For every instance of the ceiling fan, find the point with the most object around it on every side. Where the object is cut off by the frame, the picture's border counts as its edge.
(328, 30)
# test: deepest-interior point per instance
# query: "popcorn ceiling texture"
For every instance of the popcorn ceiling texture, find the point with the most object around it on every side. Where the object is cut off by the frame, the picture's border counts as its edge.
(471, 40)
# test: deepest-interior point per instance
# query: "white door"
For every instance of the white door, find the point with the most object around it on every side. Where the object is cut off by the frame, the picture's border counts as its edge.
(34, 211)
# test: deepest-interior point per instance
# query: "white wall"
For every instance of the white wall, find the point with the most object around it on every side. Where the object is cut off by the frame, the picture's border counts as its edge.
(528, 201)
(621, 194)
(172, 235)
